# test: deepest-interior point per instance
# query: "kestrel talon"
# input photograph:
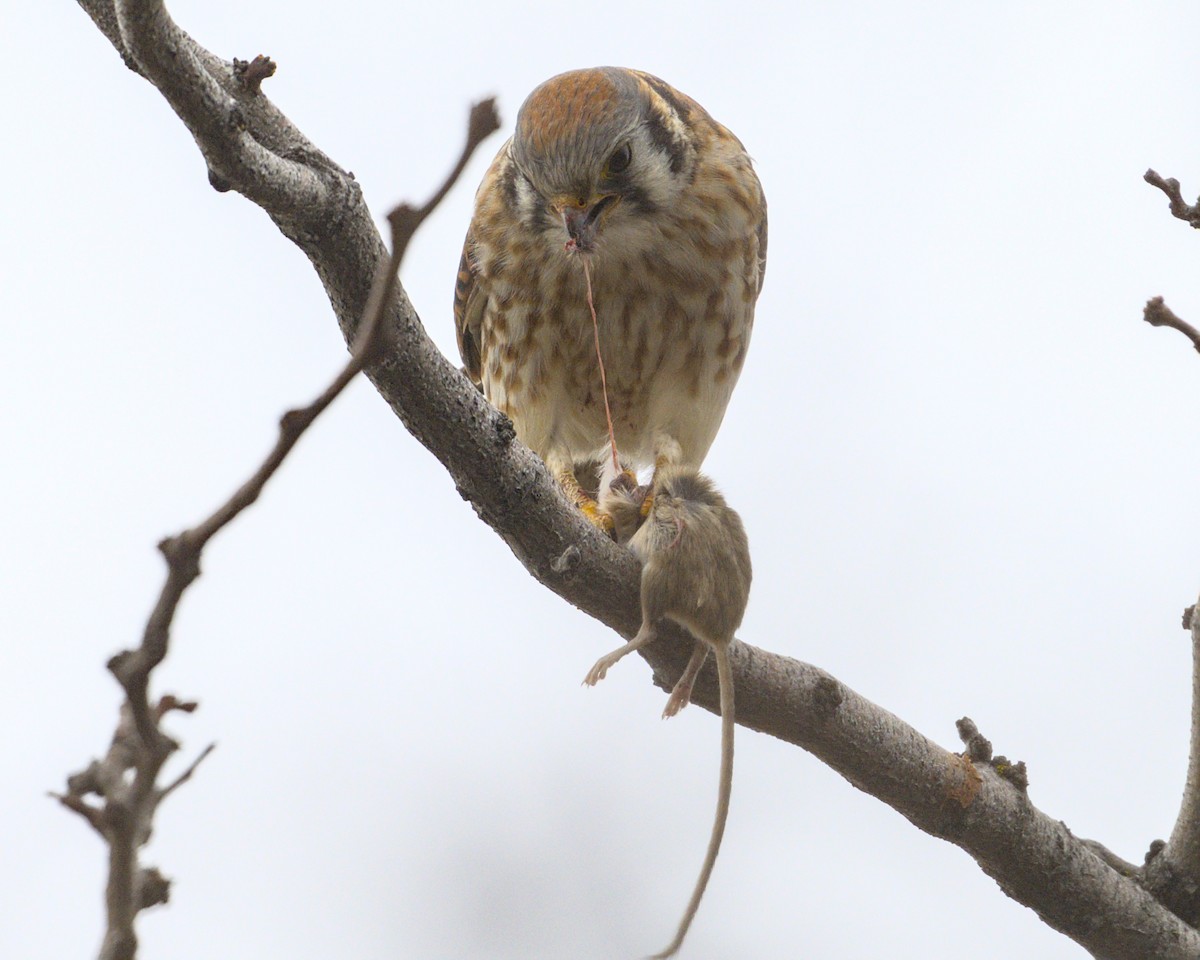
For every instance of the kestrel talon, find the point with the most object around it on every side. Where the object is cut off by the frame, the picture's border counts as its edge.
(617, 166)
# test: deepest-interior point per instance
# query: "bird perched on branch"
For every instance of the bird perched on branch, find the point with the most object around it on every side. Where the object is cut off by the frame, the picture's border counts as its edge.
(617, 167)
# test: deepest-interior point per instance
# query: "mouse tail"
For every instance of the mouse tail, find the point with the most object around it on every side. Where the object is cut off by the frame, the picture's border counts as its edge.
(725, 789)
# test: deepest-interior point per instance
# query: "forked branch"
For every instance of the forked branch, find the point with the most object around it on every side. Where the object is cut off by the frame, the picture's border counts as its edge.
(1174, 870)
(125, 781)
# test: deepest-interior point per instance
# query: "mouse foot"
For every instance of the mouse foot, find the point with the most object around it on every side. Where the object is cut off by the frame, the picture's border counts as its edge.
(681, 693)
(676, 702)
(600, 667)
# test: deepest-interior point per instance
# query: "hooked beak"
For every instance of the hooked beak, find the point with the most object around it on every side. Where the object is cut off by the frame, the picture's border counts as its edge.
(582, 222)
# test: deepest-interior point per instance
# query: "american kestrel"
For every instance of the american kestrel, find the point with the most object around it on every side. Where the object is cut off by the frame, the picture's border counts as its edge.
(616, 166)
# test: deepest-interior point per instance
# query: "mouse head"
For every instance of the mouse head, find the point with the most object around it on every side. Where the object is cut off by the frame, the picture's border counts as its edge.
(679, 489)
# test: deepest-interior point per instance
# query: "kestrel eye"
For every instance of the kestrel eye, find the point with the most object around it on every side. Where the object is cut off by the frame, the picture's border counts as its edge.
(619, 161)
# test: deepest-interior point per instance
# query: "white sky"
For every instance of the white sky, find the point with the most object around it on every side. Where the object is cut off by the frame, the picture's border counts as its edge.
(967, 468)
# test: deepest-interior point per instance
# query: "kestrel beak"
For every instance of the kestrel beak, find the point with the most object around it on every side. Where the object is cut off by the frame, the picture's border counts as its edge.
(581, 220)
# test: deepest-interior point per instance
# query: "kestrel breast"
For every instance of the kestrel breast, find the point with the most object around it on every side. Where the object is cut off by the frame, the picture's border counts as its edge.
(674, 288)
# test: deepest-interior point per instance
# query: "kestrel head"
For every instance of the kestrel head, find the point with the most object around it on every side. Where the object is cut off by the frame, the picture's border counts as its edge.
(598, 148)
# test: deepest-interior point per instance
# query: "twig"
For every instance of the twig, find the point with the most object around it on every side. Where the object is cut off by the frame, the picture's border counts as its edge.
(140, 746)
(481, 124)
(1158, 314)
(1188, 212)
(186, 775)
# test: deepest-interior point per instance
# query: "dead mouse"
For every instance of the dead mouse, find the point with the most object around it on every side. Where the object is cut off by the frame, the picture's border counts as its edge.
(695, 571)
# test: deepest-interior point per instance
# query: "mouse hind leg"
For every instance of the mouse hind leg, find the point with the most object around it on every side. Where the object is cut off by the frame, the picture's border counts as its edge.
(601, 666)
(681, 693)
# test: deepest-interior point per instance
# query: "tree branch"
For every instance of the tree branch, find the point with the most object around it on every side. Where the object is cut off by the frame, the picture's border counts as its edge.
(1189, 213)
(1173, 870)
(1034, 858)
(139, 745)
(1183, 849)
(1158, 314)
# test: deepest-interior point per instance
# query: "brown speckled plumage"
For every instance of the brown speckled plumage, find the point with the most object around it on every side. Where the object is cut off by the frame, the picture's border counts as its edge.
(665, 204)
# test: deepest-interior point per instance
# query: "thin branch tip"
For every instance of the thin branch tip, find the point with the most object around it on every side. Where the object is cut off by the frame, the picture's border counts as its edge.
(979, 747)
(1180, 208)
(404, 220)
(979, 750)
(1158, 314)
(253, 72)
(187, 773)
(484, 121)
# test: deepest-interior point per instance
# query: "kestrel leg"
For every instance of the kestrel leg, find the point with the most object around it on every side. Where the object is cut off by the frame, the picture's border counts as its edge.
(681, 693)
(667, 453)
(600, 668)
(563, 468)
(621, 498)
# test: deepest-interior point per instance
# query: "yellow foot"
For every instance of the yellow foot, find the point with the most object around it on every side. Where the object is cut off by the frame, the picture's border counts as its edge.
(591, 509)
(661, 462)
(596, 516)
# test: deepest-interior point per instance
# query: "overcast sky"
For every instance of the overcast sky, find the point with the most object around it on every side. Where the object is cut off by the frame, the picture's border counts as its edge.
(967, 468)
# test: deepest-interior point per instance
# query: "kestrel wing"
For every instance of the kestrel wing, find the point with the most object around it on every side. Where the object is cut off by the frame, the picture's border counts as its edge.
(469, 303)
(762, 246)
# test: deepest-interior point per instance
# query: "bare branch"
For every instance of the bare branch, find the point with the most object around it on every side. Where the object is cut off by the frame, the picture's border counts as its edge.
(483, 122)
(140, 745)
(1175, 869)
(1033, 857)
(210, 98)
(1189, 213)
(1158, 314)
(124, 781)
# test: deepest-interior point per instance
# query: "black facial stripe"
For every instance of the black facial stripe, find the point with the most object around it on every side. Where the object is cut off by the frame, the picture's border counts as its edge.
(665, 142)
(665, 91)
(509, 185)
